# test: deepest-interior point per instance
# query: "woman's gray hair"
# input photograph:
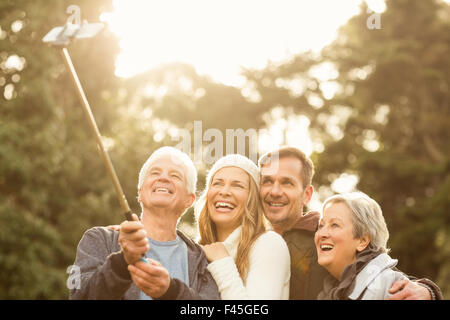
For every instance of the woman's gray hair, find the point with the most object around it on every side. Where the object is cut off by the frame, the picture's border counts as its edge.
(177, 156)
(367, 217)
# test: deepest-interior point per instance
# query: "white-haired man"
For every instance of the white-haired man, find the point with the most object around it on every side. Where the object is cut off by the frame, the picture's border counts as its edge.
(111, 261)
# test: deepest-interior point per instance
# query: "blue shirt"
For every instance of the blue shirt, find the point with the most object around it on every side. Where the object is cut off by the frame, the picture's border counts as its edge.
(173, 256)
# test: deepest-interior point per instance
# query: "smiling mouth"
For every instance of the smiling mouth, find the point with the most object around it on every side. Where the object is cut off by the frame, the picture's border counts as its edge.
(221, 205)
(162, 190)
(276, 204)
(326, 247)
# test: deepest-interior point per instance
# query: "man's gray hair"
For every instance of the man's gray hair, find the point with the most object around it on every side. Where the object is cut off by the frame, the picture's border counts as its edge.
(367, 217)
(177, 156)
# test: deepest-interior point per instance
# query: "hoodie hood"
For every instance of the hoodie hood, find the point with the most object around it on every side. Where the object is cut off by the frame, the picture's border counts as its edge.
(308, 222)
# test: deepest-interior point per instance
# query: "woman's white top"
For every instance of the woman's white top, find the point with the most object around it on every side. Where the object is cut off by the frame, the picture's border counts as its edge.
(268, 272)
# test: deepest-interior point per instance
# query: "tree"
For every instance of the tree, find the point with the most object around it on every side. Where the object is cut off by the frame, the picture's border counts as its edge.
(398, 130)
(53, 184)
(387, 122)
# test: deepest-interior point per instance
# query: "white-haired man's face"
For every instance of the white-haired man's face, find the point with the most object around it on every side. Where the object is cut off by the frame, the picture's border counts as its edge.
(165, 187)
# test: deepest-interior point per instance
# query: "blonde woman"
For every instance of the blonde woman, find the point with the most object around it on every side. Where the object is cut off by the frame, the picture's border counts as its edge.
(246, 260)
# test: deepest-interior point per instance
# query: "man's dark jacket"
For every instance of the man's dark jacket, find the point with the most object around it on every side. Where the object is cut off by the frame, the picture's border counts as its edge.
(306, 274)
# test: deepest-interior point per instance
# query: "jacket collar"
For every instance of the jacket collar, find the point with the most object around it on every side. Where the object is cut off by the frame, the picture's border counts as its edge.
(308, 222)
(370, 272)
(197, 261)
(191, 244)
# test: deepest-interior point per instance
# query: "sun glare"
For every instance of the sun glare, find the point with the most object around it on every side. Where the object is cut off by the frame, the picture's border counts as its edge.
(218, 37)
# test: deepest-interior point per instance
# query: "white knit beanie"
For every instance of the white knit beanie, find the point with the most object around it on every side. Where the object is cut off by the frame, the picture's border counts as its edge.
(234, 160)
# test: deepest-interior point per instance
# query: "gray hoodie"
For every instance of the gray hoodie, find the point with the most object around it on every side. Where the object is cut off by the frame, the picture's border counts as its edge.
(104, 273)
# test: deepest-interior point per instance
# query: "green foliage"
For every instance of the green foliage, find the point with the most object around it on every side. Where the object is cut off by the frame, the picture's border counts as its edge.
(393, 103)
(53, 184)
(409, 172)
(395, 83)
(33, 256)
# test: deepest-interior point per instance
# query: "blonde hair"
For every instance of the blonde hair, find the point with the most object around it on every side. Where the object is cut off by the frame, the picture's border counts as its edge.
(253, 225)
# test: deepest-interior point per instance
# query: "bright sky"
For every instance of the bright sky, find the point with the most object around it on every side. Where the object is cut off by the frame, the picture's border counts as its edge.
(219, 36)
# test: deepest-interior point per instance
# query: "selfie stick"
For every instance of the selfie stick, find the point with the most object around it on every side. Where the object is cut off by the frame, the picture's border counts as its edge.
(62, 37)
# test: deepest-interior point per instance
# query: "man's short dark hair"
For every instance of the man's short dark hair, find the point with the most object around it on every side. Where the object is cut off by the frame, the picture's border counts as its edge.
(307, 171)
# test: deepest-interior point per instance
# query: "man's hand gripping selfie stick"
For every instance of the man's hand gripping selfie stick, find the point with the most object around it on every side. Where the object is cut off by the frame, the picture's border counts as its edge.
(61, 37)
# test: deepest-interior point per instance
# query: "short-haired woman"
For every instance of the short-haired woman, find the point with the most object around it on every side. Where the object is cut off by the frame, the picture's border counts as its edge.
(351, 244)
